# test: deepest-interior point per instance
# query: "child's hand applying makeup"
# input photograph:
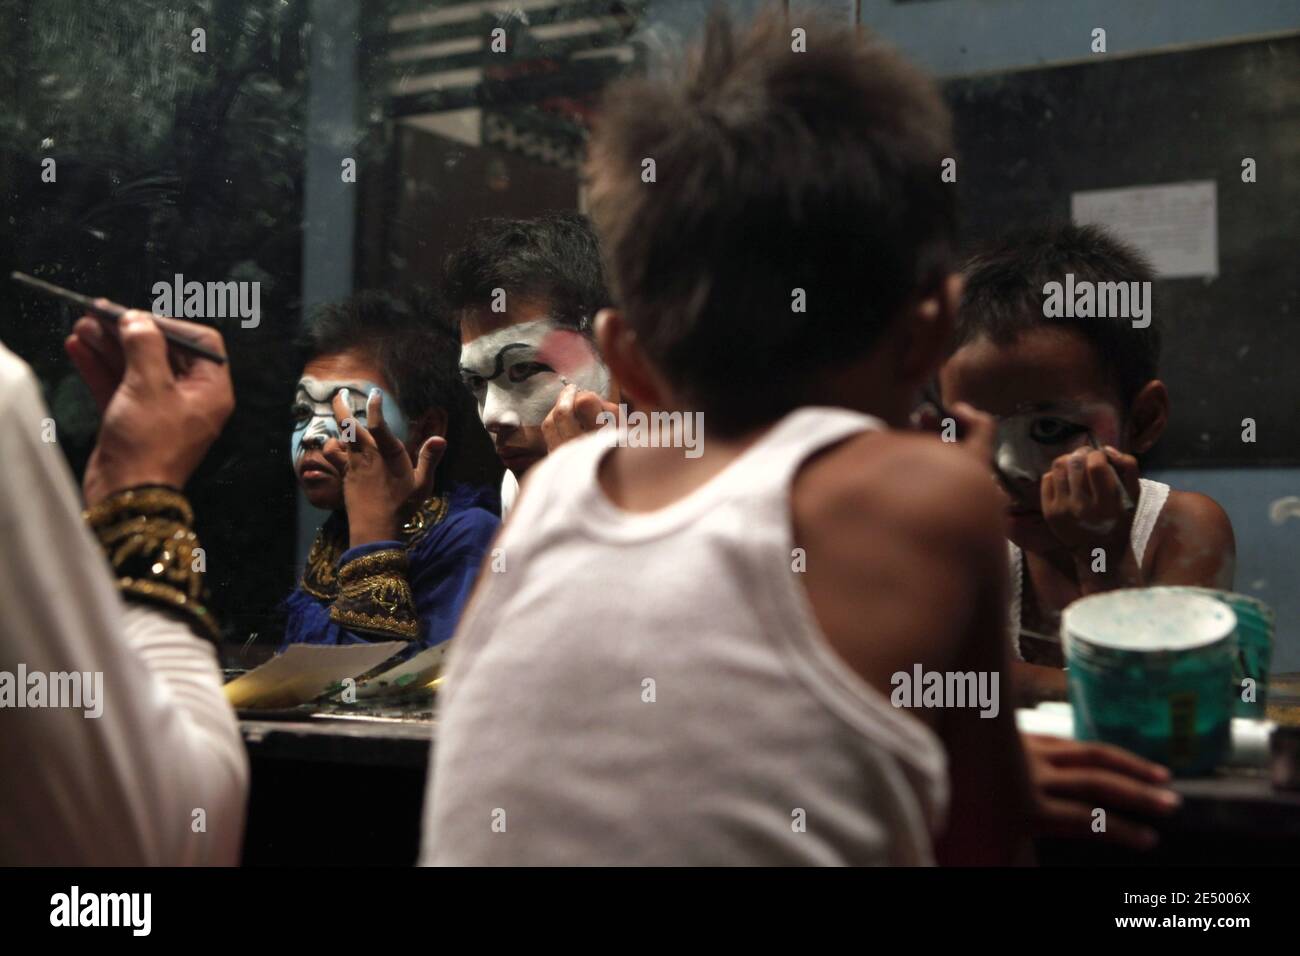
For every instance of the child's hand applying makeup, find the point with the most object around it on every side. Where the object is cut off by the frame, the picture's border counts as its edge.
(1087, 501)
(381, 488)
(575, 414)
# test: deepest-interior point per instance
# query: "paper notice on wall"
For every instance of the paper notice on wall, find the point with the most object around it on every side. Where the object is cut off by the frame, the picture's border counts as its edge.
(1175, 225)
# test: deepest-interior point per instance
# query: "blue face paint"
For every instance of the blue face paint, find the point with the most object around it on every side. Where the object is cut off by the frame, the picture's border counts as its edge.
(313, 412)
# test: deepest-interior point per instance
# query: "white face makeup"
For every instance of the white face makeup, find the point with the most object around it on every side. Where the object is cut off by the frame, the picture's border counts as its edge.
(313, 413)
(1029, 441)
(516, 373)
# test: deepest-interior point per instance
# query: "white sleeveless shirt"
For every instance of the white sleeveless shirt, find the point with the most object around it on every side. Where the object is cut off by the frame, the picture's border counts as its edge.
(1152, 496)
(653, 688)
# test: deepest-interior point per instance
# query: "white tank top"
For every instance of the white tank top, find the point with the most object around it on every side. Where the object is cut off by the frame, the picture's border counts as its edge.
(653, 688)
(1152, 496)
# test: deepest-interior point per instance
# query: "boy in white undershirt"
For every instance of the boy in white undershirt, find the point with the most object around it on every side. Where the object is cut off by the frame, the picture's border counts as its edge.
(1077, 398)
(693, 659)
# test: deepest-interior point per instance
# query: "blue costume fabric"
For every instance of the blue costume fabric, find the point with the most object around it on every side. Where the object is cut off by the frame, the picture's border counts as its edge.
(444, 546)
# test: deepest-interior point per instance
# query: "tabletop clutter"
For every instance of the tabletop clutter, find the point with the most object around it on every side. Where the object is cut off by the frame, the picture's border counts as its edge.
(1178, 675)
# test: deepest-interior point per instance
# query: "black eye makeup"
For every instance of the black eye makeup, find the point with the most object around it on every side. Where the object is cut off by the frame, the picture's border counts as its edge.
(523, 371)
(1054, 431)
(307, 406)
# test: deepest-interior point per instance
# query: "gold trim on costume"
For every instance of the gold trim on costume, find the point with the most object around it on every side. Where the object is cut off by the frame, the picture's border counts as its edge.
(375, 596)
(145, 533)
(429, 514)
(371, 593)
(320, 577)
(145, 500)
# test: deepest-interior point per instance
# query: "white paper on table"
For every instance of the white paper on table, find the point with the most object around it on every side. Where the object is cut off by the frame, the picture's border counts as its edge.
(1176, 225)
(411, 673)
(304, 672)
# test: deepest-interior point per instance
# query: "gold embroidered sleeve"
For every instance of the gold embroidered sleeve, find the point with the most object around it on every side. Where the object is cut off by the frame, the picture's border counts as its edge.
(375, 596)
(147, 534)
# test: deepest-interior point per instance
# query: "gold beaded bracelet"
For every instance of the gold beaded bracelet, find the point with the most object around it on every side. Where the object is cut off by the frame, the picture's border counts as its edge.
(147, 535)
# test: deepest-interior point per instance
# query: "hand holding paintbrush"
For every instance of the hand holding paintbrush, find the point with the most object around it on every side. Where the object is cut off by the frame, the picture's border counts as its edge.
(1125, 498)
(1084, 495)
(161, 410)
(111, 313)
(1087, 499)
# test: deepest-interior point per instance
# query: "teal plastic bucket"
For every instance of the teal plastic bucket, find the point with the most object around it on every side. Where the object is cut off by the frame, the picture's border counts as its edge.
(1255, 628)
(1150, 670)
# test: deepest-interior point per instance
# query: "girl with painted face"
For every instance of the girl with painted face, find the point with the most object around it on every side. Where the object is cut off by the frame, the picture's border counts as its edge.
(524, 292)
(375, 414)
(1076, 401)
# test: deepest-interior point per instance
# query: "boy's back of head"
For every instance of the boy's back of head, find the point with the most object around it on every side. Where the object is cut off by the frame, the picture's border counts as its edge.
(1004, 296)
(796, 205)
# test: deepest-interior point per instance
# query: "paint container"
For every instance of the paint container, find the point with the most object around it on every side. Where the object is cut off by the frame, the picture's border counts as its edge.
(1255, 625)
(1150, 670)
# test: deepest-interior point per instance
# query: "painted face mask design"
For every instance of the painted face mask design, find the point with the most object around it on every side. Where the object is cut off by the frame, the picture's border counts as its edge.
(313, 413)
(1028, 442)
(516, 373)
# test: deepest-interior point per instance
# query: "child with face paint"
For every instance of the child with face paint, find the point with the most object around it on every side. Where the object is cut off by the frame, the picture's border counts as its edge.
(1076, 399)
(376, 414)
(525, 293)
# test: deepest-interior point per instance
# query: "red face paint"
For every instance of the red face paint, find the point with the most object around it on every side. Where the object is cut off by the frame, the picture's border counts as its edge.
(569, 352)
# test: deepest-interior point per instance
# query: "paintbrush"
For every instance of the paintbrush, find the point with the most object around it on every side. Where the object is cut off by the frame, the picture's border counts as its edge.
(1124, 499)
(1040, 636)
(111, 312)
